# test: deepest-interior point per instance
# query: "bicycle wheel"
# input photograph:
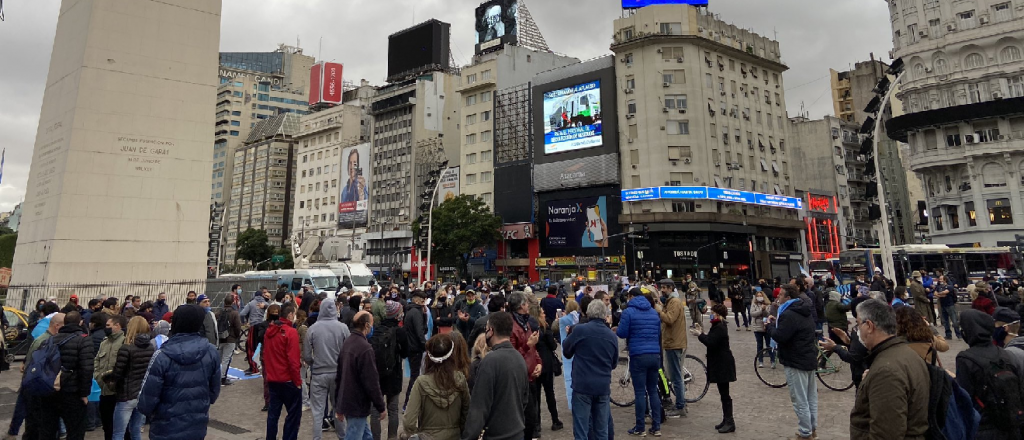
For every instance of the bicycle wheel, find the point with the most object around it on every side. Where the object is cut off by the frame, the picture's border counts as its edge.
(835, 376)
(695, 378)
(772, 374)
(622, 385)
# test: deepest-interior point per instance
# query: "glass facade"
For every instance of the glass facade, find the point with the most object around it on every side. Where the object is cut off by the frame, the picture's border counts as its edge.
(266, 62)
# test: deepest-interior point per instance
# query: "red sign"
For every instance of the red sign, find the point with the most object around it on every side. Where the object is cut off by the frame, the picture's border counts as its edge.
(325, 83)
(314, 83)
(517, 231)
(819, 203)
(347, 207)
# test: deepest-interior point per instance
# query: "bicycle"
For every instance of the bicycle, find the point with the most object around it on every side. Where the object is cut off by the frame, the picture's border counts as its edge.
(830, 370)
(695, 382)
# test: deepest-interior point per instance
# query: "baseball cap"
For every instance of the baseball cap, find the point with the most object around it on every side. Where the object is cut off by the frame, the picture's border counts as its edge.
(201, 298)
(1005, 315)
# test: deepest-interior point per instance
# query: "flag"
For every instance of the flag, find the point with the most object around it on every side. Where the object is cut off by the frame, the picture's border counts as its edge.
(2, 157)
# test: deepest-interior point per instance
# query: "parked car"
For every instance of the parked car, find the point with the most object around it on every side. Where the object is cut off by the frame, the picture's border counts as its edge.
(17, 336)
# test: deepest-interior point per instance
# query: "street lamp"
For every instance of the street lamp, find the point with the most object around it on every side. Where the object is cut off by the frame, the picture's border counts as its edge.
(383, 224)
(885, 89)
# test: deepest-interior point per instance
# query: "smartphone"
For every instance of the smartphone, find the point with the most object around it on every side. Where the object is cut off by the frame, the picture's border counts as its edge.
(359, 171)
(559, 313)
(594, 223)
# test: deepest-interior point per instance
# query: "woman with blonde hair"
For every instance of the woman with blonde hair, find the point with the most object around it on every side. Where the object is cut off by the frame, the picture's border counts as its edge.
(127, 376)
(439, 401)
(442, 310)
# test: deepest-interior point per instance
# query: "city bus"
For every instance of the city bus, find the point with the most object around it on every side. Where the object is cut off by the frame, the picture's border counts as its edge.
(961, 265)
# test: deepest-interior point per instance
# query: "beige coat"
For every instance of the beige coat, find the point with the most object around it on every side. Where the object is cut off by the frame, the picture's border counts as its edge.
(673, 324)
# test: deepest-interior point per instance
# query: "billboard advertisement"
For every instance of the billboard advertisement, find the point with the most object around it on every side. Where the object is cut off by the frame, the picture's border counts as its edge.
(355, 186)
(325, 83)
(576, 173)
(497, 23)
(421, 47)
(631, 4)
(449, 187)
(577, 223)
(709, 193)
(316, 74)
(572, 118)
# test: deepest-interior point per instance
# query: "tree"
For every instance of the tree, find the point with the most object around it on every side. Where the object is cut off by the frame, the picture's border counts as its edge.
(460, 225)
(288, 263)
(4, 230)
(7, 244)
(253, 246)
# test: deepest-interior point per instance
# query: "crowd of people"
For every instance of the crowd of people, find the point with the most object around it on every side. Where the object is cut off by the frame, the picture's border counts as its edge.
(480, 357)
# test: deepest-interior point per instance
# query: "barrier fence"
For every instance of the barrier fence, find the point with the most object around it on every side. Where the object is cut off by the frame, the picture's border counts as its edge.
(24, 297)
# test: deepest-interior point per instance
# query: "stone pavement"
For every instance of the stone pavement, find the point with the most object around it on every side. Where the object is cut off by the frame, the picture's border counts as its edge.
(761, 412)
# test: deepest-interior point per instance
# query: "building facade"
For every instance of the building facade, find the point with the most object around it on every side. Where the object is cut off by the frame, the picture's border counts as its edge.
(820, 150)
(703, 105)
(963, 94)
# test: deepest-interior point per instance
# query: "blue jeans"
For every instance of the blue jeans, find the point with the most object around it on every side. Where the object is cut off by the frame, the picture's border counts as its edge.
(591, 414)
(949, 315)
(803, 392)
(358, 429)
(128, 420)
(763, 341)
(643, 369)
(674, 368)
(20, 413)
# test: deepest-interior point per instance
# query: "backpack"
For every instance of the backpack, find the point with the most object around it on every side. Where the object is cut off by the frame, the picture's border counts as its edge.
(939, 394)
(42, 374)
(223, 325)
(998, 394)
(385, 348)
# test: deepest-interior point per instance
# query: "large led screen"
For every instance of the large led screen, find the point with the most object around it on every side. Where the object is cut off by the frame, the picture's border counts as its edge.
(630, 4)
(572, 118)
(497, 21)
(577, 223)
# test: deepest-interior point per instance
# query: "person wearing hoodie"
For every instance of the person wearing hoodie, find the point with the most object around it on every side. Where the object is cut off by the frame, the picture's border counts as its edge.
(282, 366)
(351, 308)
(106, 359)
(130, 370)
(160, 307)
(794, 332)
(320, 351)
(68, 404)
(415, 325)
(161, 333)
(466, 312)
(253, 314)
(640, 326)
(439, 402)
(229, 326)
(974, 365)
(835, 310)
(183, 380)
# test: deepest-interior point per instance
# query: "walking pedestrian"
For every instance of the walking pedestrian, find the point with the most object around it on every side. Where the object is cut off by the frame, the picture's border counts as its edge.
(390, 344)
(547, 346)
(183, 380)
(358, 380)
(640, 326)
(794, 332)
(947, 295)
(229, 331)
(501, 387)
(106, 359)
(673, 342)
(320, 351)
(525, 335)
(597, 349)
(439, 405)
(281, 366)
(130, 370)
(759, 313)
(415, 325)
(721, 364)
(894, 400)
(76, 360)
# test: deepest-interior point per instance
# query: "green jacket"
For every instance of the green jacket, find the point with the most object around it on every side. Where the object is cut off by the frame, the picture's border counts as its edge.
(435, 413)
(835, 312)
(35, 345)
(892, 401)
(106, 359)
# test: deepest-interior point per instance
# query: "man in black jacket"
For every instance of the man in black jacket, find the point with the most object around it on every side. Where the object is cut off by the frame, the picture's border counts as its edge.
(76, 357)
(498, 399)
(795, 334)
(358, 382)
(976, 364)
(416, 329)
(390, 376)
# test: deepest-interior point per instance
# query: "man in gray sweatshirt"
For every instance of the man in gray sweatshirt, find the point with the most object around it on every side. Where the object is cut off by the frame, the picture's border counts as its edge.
(320, 351)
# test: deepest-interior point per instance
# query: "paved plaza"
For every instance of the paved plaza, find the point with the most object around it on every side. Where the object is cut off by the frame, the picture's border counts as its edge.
(760, 412)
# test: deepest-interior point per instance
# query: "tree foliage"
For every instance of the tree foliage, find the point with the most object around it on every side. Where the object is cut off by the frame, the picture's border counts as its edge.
(460, 225)
(7, 244)
(253, 246)
(288, 263)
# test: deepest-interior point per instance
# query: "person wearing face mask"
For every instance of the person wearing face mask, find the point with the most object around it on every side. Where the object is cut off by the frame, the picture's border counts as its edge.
(673, 341)
(209, 321)
(190, 297)
(759, 312)
(467, 312)
(721, 363)
(106, 359)
(835, 310)
(794, 332)
(500, 389)
(160, 307)
(442, 313)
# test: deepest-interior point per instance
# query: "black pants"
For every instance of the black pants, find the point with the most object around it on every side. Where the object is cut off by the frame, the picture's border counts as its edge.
(415, 363)
(547, 382)
(289, 396)
(107, 405)
(51, 409)
(723, 390)
(532, 412)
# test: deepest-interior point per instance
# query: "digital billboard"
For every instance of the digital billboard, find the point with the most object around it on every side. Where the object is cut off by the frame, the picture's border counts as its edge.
(708, 193)
(325, 83)
(631, 4)
(577, 223)
(572, 118)
(419, 48)
(355, 186)
(497, 23)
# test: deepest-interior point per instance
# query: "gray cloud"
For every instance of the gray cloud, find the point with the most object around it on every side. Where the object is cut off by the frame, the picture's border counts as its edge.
(815, 36)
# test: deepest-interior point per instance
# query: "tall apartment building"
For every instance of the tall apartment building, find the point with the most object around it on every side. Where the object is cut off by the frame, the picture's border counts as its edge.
(508, 67)
(963, 92)
(263, 183)
(704, 107)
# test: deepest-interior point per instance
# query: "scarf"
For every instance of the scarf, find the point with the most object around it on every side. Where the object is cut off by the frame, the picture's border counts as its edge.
(783, 309)
(523, 321)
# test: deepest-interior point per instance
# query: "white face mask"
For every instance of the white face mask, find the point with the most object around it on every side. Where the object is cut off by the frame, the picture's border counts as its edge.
(860, 336)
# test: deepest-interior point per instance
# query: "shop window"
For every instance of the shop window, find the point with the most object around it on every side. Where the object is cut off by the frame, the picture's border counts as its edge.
(972, 216)
(1000, 212)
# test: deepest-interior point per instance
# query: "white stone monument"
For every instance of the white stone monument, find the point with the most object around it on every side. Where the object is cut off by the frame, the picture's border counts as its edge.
(119, 188)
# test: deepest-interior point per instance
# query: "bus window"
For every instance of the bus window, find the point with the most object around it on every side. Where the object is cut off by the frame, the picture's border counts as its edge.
(931, 262)
(296, 284)
(975, 265)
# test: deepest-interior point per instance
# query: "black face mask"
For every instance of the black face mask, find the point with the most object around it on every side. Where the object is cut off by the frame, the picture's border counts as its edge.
(108, 331)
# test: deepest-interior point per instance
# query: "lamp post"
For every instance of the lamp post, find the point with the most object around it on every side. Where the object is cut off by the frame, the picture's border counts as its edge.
(383, 224)
(884, 239)
(430, 218)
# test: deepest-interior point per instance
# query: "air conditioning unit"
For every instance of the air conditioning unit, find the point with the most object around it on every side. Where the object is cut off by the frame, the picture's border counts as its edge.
(664, 110)
(628, 91)
(682, 110)
(659, 50)
(634, 166)
(630, 141)
(679, 60)
(686, 160)
(630, 116)
(997, 95)
(922, 33)
(666, 84)
(1001, 137)
(718, 164)
(969, 139)
(951, 27)
(675, 163)
(927, 70)
(723, 92)
(984, 20)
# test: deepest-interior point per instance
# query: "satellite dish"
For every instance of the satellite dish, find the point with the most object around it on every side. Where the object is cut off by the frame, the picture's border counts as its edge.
(333, 248)
(309, 246)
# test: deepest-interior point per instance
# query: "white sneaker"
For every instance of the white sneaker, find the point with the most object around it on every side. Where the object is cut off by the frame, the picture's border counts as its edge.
(760, 365)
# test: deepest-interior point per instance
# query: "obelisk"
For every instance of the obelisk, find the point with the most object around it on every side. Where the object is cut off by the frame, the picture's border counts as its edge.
(119, 187)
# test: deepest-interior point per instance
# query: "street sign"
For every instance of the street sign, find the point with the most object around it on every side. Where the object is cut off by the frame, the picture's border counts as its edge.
(277, 259)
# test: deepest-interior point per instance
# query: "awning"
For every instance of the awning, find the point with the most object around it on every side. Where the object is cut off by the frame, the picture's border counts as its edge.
(764, 165)
(775, 166)
(778, 191)
(718, 181)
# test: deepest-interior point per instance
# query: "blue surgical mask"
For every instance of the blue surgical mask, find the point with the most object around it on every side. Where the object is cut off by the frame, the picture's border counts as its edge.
(370, 335)
(206, 308)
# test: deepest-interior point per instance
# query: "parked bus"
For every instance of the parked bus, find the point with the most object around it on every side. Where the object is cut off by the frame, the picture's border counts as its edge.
(961, 265)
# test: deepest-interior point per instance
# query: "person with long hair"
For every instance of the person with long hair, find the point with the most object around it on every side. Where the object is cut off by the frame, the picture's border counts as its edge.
(547, 345)
(759, 312)
(439, 400)
(129, 371)
(442, 309)
(721, 364)
(571, 318)
(920, 335)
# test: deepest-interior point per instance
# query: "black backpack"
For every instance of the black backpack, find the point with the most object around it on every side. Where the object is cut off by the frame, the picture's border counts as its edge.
(998, 393)
(385, 349)
(223, 325)
(939, 394)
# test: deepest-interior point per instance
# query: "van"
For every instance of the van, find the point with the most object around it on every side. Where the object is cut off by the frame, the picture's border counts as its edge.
(322, 280)
(358, 274)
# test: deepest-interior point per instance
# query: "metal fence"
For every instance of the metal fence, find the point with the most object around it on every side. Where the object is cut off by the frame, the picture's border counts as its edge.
(24, 297)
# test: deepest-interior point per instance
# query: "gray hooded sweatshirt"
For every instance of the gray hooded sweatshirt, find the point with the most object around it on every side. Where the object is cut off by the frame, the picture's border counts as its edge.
(324, 339)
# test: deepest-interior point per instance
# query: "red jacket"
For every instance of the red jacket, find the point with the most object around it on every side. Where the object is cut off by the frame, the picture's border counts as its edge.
(281, 353)
(984, 304)
(520, 337)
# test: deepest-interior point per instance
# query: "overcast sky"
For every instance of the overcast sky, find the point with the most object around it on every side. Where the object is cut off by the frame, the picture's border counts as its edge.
(814, 35)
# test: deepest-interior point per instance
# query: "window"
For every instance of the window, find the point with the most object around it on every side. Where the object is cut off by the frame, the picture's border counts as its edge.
(672, 28)
(485, 136)
(1017, 86)
(470, 79)
(934, 27)
(629, 59)
(974, 60)
(1002, 12)
(919, 71)
(234, 133)
(1009, 54)
(302, 203)
(485, 116)
(631, 107)
(896, 39)
(714, 129)
(999, 212)
(708, 80)
(993, 175)
(674, 76)
(471, 158)
(470, 179)
(676, 153)
(236, 124)
(675, 101)
(954, 217)
(967, 19)
(972, 216)
(941, 67)
(630, 82)
(974, 93)
(678, 127)
(485, 75)
(485, 156)
(470, 139)
(486, 197)
(953, 139)
(471, 119)
(684, 206)
(672, 53)
(485, 97)
(937, 218)
(471, 100)
(912, 33)
(675, 179)
(485, 176)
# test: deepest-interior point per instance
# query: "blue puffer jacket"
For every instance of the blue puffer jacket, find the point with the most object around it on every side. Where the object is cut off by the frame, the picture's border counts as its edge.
(182, 382)
(640, 326)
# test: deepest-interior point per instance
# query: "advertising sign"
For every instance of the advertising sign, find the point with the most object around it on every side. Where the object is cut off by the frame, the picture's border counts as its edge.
(325, 84)
(576, 173)
(355, 186)
(636, 194)
(517, 231)
(577, 223)
(497, 22)
(707, 193)
(316, 74)
(631, 4)
(572, 118)
(449, 186)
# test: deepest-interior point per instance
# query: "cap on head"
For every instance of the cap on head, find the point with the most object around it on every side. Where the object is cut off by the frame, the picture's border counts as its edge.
(916, 274)
(1005, 316)
(201, 298)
